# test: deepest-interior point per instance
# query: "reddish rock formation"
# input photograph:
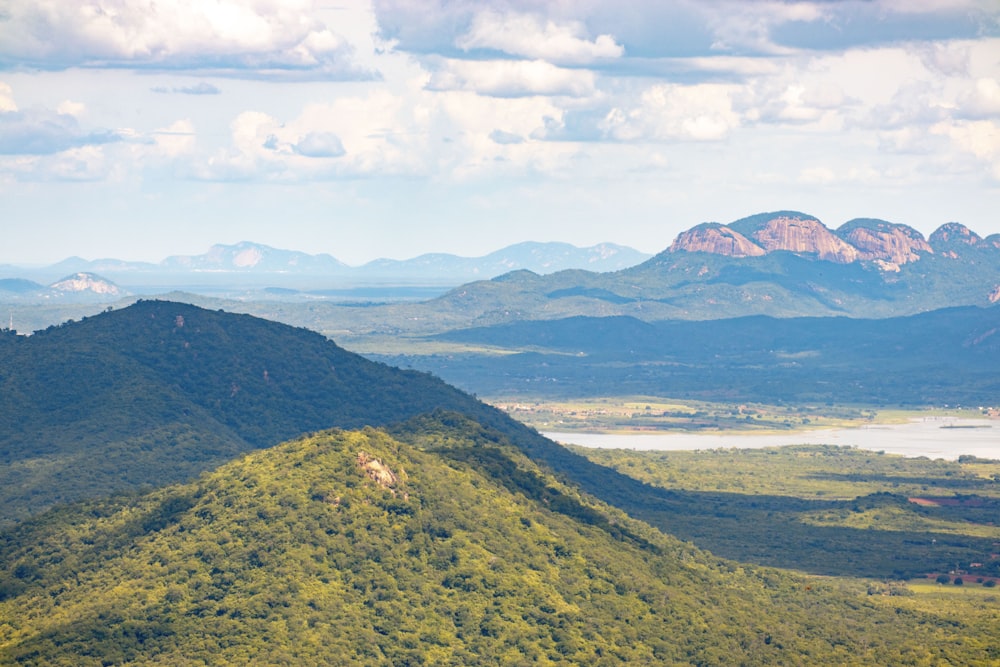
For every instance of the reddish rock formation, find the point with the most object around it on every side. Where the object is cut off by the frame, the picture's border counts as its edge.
(804, 235)
(888, 245)
(718, 239)
(880, 240)
(954, 233)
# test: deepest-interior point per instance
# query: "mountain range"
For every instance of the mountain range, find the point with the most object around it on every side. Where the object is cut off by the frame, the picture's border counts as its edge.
(259, 265)
(784, 263)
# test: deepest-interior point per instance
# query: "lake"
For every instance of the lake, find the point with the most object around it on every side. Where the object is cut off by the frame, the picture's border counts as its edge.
(933, 437)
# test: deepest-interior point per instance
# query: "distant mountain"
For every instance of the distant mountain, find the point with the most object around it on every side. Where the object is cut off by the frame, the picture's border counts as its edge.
(19, 286)
(783, 264)
(246, 257)
(541, 258)
(888, 244)
(81, 287)
(255, 266)
(88, 283)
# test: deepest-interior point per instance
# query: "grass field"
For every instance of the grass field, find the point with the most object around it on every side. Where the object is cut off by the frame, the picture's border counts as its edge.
(621, 414)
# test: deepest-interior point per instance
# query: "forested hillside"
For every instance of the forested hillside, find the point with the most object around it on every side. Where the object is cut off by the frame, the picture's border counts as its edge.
(161, 391)
(450, 548)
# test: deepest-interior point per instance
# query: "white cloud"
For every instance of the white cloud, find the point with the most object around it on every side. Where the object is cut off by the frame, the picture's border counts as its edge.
(176, 139)
(235, 37)
(980, 138)
(747, 26)
(7, 98)
(948, 59)
(702, 112)
(70, 108)
(533, 36)
(506, 78)
(982, 101)
(817, 175)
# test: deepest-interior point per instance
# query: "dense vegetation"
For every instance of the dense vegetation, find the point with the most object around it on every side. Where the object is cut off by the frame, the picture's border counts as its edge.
(949, 356)
(357, 548)
(824, 509)
(161, 391)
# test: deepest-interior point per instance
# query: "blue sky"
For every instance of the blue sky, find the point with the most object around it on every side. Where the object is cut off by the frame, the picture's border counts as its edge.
(139, 129)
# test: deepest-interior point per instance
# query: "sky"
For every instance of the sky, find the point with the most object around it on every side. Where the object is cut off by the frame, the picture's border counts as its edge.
(140, 129)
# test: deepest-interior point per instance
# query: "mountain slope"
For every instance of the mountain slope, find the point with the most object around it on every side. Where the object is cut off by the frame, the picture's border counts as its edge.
(159, 391)
(356, 548)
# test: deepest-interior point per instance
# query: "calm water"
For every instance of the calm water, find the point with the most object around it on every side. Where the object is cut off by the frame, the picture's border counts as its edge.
(931, 437)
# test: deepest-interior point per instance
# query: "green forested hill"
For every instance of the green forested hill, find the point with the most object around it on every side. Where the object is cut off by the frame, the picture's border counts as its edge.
(452, 548)
(160, 391)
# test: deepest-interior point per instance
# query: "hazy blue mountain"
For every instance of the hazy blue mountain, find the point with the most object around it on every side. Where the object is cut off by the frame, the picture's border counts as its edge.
(252, 270)
(19, 286)
(247, 257)
(541, 258)
(77, 288)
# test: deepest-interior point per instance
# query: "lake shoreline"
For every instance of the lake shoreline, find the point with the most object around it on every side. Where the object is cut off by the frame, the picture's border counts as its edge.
(933, 437)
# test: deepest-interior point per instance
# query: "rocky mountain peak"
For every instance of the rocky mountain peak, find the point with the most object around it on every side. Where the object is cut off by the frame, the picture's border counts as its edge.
(884, 241)
(954, 233)
(717, 239)
(87, 282)
(889, 245)
(798, 233)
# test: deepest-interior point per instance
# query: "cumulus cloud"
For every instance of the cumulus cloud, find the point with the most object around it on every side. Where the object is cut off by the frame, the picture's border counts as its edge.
(176, 139)
(256, 38)
(980, 138)
(507, 78)
(533, 36)
(702, 112)
(949, 59)
(7, 98)
(747, 27)
(982, 101)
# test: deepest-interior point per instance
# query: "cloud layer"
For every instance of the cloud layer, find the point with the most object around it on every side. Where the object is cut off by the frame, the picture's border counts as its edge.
(548, 100)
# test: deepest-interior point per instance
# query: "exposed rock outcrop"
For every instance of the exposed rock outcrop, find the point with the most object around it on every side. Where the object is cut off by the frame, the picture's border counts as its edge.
(952, 234)
(87, 282)
(890, 243)
(887, 245)
(377, 471)
(718, 239)
(799, 233)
